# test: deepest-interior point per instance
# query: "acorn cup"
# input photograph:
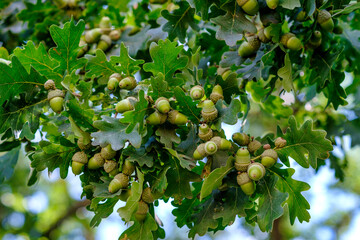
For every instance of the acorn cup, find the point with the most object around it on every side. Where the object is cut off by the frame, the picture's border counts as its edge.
(249, 47)
(156, 118)
(253, 146)
(325, 21)
(272, 3)
(104, 43)
(200, 152)
(216, 94)
(115, 35)
(128, 83)
(81, 145)
(205, 132)
(111, 167)
(79, 159)
(128, 167)
(125, 105)
(141, 212)
(241, 139)
(197, 92)
(251, 7)
(268, 158)
(210, 148)
(107, 152)
(97, 161)
(56, 100)
(280, 142)
(105, 25)
(242, 159)
(290, 41)
(162, 105)
(256, 171)
(120, 181)
(93, 35)
(315, 40)
(246, 184)
(147, 196)
(221, 143)
(177, 118)
(262, 37)
(209, 111)
(49, 85)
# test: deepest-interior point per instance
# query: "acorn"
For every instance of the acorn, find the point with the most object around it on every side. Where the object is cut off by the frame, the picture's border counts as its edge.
(209, 111)
(251, 7)
(128, 83)
(325, 21)
(105, 25)
(280, 142)
(56, 99)
(115, 35)
(290, 41)
(124, 195)
(104, 43)
(256, 171)
(338, 29)
(226, 74)
(301, 16)
(177, 118)
(241, 139)
(253, 146)
(272, 3)
(216, 94)
(200, 152)
(114, 80)
(97, 161)
(242, 159)
(81, 145)
(197, 92)
(246, 184)
(249, 47)
(111, 167)
(205, 132)
(162, 105)
(221, 143)
(156, 118)
(84, 48)
(315, 40)
(269, 157)
(49, 85)
(128, 167)
(125, 105)
(147, 196)
(107, 152)
(120, 181)
(210, 148)
(93, 35)
(79, 159)
(72, 3)
(141, 212)
(262, 37)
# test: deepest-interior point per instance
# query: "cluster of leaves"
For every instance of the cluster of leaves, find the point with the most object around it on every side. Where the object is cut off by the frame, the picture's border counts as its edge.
(211, 33)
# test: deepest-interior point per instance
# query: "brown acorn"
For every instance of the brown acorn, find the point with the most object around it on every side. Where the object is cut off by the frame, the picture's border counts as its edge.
(49, 85)
(141, 212)
(147, 196)
(128, 167)
(280, 142)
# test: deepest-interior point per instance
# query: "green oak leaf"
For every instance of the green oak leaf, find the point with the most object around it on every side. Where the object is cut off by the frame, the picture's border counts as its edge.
(112, 131)
(286, 74)
(230, 86)
(82, 114)
(202, 7)
(159, 87)
(102, 210)
(334, 92)
(232, 25)
(33, 13)
(189, 144)
(101, 188)
(297, 203)
(158, 181)
(8, 161)
(141, 230)
(165, 59)
(124, 63)
(135, 42)
(99, 66)
(228, 115)
(184, 160)
(305, 145)
(167, 136)
(289, 4)
(348, 9)
(67, 40)
(187, 105)
(142, 157)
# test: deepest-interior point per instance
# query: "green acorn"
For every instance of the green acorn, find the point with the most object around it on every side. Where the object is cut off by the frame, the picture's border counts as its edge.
(290, 41)
(200, 152)
(162, 105)
(272, 3)
(209, 111)
(241, 139)
(221, 143)
(156, 118)
(325, 20)
(115, 35)
(338, 29)
(205, 132)
(226, 74)
(128, 83)
(246, 184)
(93, 35)
(56, 100)
(262, 37)
(256, 171)
(197, 92)
(111, 167)
(210, 148)
(242, 159)
(147, 196)
(128, 167)
(107, 152)
(124, 195)
(72, 3)
(253, 146)
(315, 40)
(216, 94)
(251, 7)
(141, 212)
(249, 47)
(105, 25)
(280, 142)
(84, 48)
(81, 145)
(104, 43)
(177, 118)
(97, 161)
(49, 85)
(120, 181)
(79, 159)
(301, 16)
(114, 80)
(268, 158)
(125, 105)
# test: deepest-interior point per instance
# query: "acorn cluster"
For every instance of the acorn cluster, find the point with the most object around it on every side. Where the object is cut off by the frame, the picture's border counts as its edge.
(55, 96)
